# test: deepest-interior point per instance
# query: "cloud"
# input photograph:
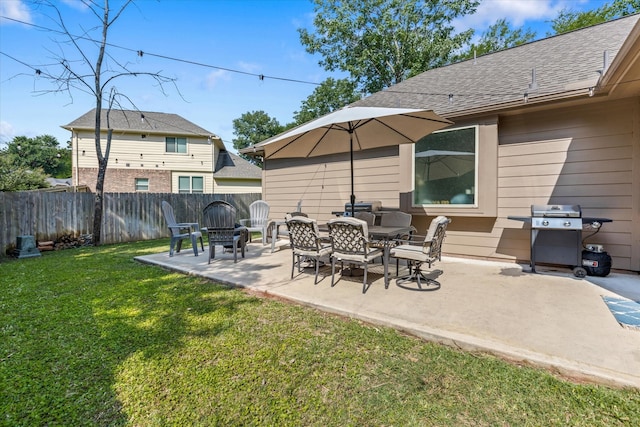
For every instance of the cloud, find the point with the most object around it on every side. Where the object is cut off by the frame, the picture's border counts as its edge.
(216, 76)
(7, 132)
(75, 4)
(518, 13)
(249, 67)
(14, 9)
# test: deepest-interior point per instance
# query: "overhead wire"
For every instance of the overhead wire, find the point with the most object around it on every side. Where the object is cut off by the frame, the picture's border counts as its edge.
(141, 53)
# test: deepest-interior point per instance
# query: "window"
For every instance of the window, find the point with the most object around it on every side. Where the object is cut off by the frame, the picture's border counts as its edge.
(142, 184)
(445, 168)
(175, 145)
(190, 184)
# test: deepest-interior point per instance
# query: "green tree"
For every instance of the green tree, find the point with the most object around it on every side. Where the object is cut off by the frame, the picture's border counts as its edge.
(15, 177)
(497, 37)
(42, 152)
(569, 20)
(382, 42)
(331, 95)
(253, 127)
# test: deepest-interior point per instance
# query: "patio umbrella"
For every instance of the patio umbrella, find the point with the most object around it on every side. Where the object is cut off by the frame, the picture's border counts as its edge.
(353, 129)
(440, 164)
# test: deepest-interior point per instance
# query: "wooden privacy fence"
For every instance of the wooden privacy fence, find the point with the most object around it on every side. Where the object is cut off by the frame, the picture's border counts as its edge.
(127, 217)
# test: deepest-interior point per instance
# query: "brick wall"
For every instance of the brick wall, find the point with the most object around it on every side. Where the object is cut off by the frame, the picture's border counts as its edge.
(123, 180)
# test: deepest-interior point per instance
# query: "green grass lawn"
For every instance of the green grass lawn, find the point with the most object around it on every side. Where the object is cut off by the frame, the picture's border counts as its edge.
(91, 337)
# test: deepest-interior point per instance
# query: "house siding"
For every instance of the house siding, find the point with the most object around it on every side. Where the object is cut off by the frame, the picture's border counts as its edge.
(581, 154)
(132, 156)
(584, 155)
(237, 186)
(323, 184)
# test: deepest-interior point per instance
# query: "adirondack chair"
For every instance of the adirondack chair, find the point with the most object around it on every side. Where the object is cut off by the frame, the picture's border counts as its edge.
(181, 231)
(259, 219)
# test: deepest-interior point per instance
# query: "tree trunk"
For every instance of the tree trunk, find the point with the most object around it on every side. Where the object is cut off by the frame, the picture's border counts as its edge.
(102, 159)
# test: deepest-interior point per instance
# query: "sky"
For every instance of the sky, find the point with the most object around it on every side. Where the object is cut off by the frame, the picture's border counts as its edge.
(215, 49)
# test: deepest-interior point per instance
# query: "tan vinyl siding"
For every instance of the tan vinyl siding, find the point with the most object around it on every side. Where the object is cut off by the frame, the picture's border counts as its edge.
(132, 152)
(324, 183)
(586, 154)
(582, 155)
(148, 152)
(237, 186)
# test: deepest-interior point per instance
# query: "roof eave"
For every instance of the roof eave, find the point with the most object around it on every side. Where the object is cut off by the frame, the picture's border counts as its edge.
(628, 57)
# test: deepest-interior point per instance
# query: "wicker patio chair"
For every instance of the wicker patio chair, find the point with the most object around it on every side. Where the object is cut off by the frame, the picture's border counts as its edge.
(306, 243)
(350, 244)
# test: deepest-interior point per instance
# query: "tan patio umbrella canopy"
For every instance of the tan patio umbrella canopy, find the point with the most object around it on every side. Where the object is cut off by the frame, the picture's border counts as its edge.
(352, 129)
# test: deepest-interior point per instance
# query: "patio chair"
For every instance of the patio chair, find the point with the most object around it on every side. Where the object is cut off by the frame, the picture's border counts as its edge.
(368, 217)
(220, 218)
(259, 219)
(306, 243)
(350, 244)
(277, 231)
(181, 231)
(418, 251)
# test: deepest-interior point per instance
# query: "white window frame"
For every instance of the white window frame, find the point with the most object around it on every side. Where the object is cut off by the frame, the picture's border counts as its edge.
(191, 179)
(175, 145)
(475, 178)
(139, 181)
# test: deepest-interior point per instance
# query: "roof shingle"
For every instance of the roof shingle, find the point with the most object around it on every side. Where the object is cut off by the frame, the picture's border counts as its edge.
(141, 121)
(562, 64)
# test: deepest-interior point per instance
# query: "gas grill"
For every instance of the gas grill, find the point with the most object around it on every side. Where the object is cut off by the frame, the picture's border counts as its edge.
(362, 207)
(359, 207)
(556, 217)
(556, 235)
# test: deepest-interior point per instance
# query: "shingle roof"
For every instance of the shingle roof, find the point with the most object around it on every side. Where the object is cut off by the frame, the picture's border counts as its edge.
(128, 120)
(563, 64)
(230, 165)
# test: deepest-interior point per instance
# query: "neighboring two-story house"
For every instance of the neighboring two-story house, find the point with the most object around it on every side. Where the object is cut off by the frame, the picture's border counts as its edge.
(159, 153)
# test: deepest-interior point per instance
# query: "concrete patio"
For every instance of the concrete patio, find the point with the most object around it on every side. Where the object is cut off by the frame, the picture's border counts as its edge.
(549, 319)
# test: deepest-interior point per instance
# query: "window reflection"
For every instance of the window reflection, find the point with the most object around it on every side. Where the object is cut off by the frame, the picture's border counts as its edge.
(445, 168)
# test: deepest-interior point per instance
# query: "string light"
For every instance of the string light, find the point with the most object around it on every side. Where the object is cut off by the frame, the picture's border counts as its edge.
(140, 53)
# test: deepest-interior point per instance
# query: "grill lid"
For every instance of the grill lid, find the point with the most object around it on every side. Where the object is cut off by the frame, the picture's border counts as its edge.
(364, 206)
(556, 211)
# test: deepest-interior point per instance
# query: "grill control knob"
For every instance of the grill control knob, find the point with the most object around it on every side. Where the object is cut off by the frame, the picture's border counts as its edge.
(545, 222)
(567, 223)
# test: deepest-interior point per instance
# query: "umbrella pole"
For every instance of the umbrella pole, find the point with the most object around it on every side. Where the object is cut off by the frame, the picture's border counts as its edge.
(353, 195)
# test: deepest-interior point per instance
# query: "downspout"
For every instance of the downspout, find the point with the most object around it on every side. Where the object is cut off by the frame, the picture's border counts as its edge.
(77, 159)
(213, 164)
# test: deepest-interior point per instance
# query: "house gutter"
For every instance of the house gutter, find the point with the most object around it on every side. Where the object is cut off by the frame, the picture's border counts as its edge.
(77, 180)
(627, 56)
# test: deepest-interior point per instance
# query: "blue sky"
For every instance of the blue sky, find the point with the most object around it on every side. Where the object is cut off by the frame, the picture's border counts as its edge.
(249, 36)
